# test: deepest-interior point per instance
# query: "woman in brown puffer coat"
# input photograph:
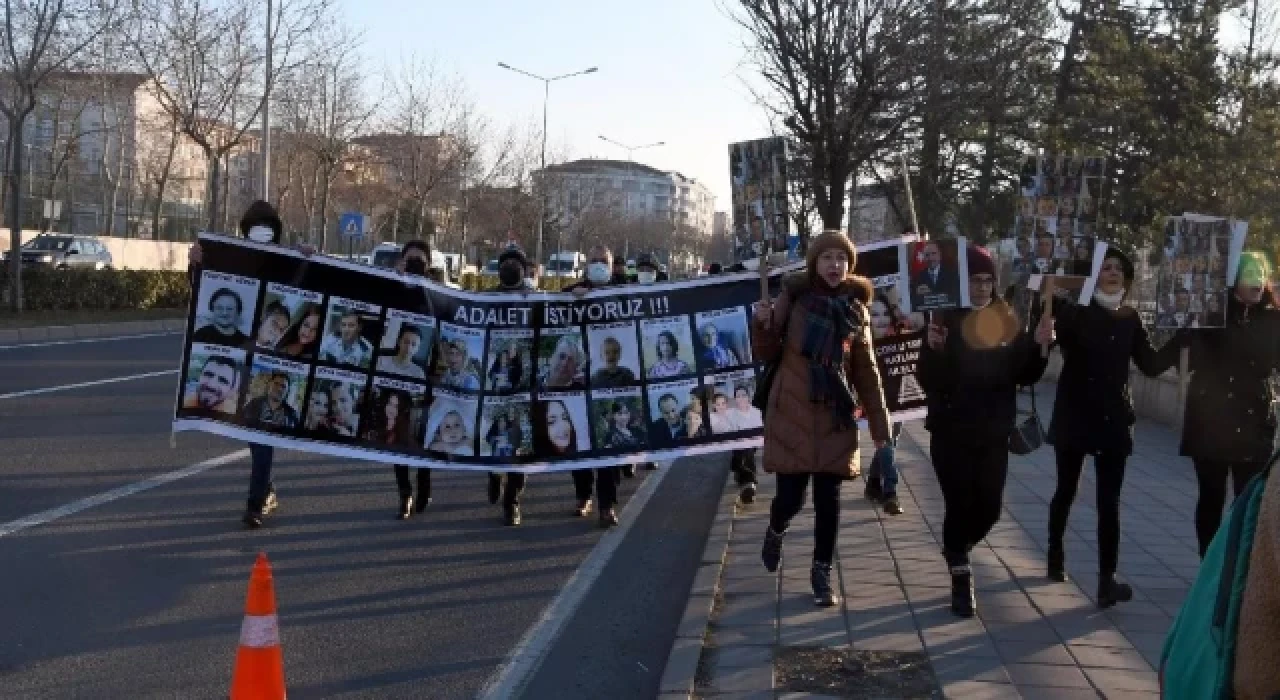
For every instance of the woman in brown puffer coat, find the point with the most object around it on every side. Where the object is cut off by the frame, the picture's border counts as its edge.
(818, 333)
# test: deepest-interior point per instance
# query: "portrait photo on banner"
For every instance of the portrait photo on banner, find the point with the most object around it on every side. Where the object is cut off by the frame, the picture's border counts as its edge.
(618, 418)
(458, 357)
(352, 330)
(888, 319)
(560, 424)
(451, 424)
(933, 272)
(224, 309)
(273, 398)
(562, 359)
(723, 340)
(509, 365)
(667, 348)
(731, 408)
(615, 357)
(336, 403)
(397, 410)
(675, 413)
(214, 379)
(506, 426)
(406, 344)
(290, 322)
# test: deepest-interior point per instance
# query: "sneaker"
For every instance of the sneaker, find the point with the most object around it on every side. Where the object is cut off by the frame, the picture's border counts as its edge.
(583, 509)
(891, 505)
(771, 552)
(406, 508)
(1111, 591)
(608, 518)
(252, 519)
(824, 595)
(495, 488)
(511, 516)
(748, 494)
(873, 492)
(271, 502)
(420, 504)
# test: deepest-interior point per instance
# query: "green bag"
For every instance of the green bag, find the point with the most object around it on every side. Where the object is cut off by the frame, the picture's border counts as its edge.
(1198, 659)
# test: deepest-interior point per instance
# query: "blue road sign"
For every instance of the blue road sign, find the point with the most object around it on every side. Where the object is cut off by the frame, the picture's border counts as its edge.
(351, 225)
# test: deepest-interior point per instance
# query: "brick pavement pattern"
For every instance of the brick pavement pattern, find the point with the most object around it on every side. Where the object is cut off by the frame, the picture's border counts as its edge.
(1033, 638)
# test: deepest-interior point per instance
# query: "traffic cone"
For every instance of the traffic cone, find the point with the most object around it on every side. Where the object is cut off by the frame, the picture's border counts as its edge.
(259, 670)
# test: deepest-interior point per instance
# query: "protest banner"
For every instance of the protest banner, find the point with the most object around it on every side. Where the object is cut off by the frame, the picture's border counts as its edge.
(761, 218)
(897, 331)
(328, 356)
(935, 274)
(1197, 262)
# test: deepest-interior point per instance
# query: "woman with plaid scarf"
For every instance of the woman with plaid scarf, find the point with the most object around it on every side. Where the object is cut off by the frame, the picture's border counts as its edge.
(817, 338)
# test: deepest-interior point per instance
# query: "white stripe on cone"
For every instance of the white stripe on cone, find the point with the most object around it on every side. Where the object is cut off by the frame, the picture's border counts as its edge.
(260, 632)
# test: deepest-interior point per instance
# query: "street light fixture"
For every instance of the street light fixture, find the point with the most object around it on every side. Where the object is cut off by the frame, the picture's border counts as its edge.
(631, 149)
(546, 97)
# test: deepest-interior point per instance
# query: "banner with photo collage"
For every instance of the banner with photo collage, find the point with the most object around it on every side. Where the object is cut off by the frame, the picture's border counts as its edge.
(758, 178)
(324, 355)
(1059, 215)
(1197, 262)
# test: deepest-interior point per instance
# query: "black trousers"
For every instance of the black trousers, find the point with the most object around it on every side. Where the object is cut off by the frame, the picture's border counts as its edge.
(604, 479)
(743, 466)
(1109, 474)
(514, 487)
(1212, 476)
(406, 489)
(971, 474)
(826, 509)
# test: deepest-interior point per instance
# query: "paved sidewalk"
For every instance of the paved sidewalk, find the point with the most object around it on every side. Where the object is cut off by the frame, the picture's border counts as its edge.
(1033, 638)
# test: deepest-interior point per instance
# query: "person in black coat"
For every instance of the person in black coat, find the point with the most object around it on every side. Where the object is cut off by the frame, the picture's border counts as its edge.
(1228, 426)
(513, 270)
(970, 370)
(1093, 412)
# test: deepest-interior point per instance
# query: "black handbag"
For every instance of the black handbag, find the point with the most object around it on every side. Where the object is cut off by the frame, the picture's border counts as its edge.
(1028, 435)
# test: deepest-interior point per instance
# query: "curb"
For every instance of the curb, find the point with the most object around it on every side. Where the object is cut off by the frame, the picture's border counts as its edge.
(38, 334)
(681, 669)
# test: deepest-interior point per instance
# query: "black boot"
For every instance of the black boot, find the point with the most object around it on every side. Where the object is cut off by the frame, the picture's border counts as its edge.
(824, 595)
(406, 508)
(748, 494)
(963, 603)
(629, 471)
(1111, 591)
(252, 518)
(1057, 563)
(771, 552)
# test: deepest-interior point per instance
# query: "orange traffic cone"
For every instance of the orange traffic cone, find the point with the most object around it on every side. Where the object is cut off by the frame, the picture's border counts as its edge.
(259, 670)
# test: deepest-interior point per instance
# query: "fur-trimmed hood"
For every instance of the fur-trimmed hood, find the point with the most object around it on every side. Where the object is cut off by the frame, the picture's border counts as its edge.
(854, 286)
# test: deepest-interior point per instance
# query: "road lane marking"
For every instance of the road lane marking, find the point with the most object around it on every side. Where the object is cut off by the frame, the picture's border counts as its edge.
(511, 677)
(79, 341)
(82, 385)
(83, 504)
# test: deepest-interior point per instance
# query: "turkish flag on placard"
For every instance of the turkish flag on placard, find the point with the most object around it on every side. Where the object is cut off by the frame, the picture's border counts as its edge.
(917, 256)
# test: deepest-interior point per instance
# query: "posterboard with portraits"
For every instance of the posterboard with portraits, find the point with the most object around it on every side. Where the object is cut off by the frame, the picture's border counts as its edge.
(1196, 264)
(1059, 214)
(758, 176)
(400, 370)
(897, 331)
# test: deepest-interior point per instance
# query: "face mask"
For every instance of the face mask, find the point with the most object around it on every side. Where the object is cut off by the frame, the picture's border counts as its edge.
(261, 234)
(598, 273)
(647, 277)
(416, 266)
(510, 276)
(1108, 301)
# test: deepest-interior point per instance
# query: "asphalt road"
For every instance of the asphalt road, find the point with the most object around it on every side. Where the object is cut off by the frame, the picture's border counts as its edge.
(143, 596)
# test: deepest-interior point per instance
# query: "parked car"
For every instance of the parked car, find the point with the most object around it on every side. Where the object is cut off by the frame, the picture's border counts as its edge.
(63, 252)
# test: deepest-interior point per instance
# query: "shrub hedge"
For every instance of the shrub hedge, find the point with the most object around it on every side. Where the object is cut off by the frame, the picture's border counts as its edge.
(47, 289)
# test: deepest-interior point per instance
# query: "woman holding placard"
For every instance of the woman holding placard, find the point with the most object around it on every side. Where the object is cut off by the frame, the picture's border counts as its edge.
(970, 370)
(817, 337)
(1093, 412)
(1228, 426)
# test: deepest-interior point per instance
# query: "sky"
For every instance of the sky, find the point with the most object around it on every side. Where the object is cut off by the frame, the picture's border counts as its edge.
(669, 70)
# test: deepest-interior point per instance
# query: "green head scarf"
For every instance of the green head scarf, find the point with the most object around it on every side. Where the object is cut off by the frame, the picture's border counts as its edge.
(1254, 270)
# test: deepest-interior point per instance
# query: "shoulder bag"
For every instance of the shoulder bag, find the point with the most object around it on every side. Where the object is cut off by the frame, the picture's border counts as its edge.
(1027, 436)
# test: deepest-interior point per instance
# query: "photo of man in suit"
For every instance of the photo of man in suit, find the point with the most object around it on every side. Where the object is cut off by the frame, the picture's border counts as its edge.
(936, 285)
(665, 431)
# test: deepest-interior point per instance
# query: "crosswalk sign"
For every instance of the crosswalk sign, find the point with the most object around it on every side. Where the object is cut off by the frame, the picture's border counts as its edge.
(351, 225)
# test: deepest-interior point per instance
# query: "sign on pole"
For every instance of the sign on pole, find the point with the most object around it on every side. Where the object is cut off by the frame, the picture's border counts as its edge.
(351, 225)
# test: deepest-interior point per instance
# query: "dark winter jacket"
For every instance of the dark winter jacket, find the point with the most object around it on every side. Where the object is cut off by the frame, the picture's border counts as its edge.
(1228, 413)
(1093, 411)
(971, 384)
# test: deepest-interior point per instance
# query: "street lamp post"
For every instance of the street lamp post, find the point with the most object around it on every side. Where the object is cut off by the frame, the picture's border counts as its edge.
(631, 149)
(546, 97)
(266, 116)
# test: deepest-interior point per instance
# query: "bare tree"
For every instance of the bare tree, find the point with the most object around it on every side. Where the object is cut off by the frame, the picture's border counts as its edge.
(838, 74)
(40, 38)
(207, 62)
